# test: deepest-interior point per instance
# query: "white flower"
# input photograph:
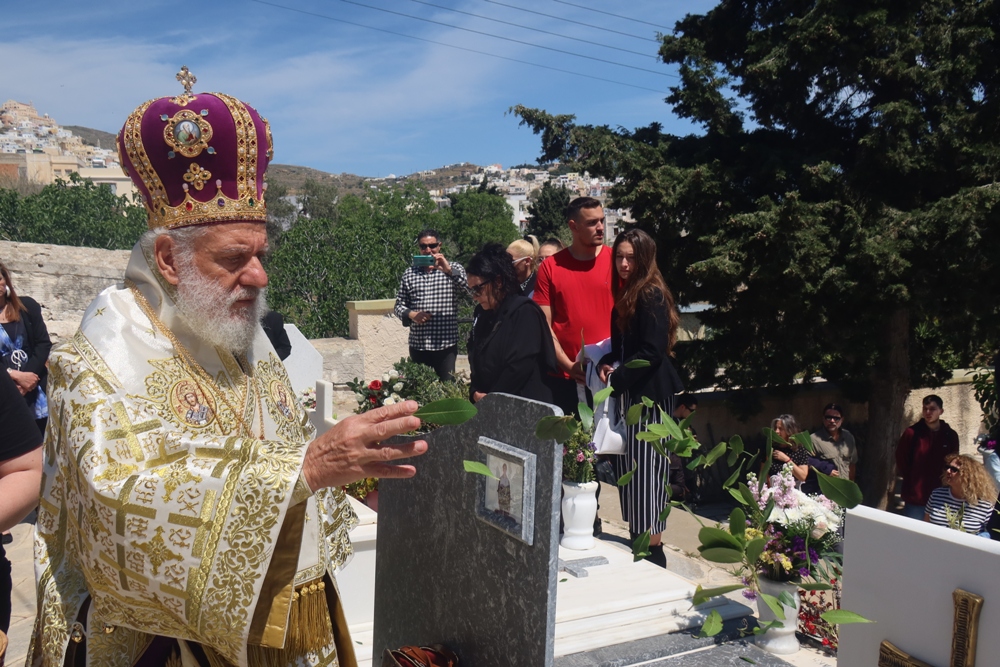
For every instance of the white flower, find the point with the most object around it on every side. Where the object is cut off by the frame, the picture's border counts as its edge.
(393, 374)
(359, 398)
(385, 377)
(395, 398)
(388, 401)
(398, 386)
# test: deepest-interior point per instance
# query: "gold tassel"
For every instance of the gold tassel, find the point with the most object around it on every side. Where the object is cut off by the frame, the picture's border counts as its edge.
(309, 628)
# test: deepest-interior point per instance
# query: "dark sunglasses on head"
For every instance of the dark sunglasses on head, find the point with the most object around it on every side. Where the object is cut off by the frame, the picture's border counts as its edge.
(832, 418)
(428, 246)
(953, 469)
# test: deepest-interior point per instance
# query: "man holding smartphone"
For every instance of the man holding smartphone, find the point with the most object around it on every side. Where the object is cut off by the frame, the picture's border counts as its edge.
(427, 302)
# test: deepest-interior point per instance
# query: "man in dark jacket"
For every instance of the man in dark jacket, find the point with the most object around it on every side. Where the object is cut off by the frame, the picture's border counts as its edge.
(920, 456)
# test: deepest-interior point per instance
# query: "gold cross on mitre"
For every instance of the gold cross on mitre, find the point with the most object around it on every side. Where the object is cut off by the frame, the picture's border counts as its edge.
(963, 640)
(187, 80)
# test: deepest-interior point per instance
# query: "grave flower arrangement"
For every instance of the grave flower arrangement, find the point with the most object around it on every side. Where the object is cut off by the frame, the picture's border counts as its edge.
(579, 457)
(777, 532)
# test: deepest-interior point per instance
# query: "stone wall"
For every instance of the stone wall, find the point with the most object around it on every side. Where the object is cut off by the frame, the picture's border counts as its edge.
(63, 280)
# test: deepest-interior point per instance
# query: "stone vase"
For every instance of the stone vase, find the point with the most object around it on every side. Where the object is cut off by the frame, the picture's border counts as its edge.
(781, 639)
(579, 510)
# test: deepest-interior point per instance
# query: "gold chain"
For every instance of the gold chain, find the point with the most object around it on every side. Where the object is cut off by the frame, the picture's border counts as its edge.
(199, 370)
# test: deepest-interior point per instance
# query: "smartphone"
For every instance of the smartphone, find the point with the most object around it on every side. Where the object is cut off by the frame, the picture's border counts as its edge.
(423, 260)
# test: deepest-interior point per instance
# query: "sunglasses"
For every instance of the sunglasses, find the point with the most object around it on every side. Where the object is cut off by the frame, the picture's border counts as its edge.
(832, 418)
(476, 290)
(428, 246)
(520, 259)
(953, 469)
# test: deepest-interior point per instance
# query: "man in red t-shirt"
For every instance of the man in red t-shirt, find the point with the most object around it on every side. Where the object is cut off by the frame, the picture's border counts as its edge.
(574, 291)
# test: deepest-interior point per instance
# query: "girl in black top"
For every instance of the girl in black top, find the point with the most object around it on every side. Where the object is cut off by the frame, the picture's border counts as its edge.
(643, 326)
(786, 426)
(24, 346)
(510, 349)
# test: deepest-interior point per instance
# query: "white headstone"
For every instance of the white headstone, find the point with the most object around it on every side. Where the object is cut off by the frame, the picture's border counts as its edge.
(901, 573)
(304, 364)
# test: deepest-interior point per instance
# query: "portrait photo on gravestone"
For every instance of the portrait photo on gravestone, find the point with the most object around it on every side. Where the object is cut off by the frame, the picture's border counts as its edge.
(508, 500)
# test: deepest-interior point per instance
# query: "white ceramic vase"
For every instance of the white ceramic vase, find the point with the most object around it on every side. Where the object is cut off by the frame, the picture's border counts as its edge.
(781, 639)
(579, 509)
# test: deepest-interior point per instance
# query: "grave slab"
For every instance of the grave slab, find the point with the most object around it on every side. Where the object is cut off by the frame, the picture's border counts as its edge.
(454, 564)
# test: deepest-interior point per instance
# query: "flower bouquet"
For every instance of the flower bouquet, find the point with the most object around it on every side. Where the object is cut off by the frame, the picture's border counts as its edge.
(579, 457)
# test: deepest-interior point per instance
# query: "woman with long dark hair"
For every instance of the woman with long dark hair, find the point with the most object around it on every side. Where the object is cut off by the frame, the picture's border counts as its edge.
(24, 346)
(510, 349)
(643, 327)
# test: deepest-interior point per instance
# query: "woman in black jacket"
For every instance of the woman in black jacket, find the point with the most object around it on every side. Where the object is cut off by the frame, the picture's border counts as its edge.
(643, 327)
(510, 349)
(24, 346)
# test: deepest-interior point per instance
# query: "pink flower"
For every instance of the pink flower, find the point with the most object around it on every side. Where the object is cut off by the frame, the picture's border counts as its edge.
(579, 457)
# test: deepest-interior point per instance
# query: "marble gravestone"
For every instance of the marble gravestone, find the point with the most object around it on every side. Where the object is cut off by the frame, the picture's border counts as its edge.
(465, 560)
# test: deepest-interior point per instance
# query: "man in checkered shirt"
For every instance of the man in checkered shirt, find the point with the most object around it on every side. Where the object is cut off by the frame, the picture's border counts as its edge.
(427, 302)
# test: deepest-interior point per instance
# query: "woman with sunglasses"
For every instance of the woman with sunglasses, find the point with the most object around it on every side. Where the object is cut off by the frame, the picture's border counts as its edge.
(835, 443)
(510, 349)
(643, 327)
(965, 502)
(524, 254)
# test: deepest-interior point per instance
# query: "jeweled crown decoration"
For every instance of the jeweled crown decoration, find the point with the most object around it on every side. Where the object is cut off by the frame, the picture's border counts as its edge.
(197, 158)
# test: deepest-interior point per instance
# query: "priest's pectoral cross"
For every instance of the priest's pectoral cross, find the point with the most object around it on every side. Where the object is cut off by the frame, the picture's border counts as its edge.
(963, 639)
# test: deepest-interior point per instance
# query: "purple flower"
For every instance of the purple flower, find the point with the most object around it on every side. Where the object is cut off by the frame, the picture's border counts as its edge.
(749, 594)
(592, 445)
(803, 571)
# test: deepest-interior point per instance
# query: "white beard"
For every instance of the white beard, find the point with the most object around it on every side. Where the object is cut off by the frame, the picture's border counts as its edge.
(206, 306)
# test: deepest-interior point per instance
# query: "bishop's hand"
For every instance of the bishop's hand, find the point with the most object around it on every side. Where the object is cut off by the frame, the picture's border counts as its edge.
(353, 449)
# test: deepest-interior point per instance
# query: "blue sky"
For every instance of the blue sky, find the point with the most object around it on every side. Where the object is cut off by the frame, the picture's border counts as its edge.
(346, 98)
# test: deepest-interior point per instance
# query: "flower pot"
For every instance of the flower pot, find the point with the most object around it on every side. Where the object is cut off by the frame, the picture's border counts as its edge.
(579, 509)
(779, 640)
(372, 500)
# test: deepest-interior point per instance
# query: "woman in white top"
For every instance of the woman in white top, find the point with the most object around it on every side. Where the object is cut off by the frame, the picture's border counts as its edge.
(965, 502)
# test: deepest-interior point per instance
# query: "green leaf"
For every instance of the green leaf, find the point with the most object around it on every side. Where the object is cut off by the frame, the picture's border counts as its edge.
(658, 429)
(746, 659)
(647, 436)
(478, 468)
(736, 494)
(738, 524)
(786, 599)
(754, 549)
(747, 496)
(638, 363)
(803, 440)
(772, 436)
(560, 581)
(695, 462)
(602, 395)
(735, 449)
(640, 547)
(627, 477)
(665, 512)
(815, 586)
(447, 411)
(732, 478)
(722, 555)
(843, 617)
(840, 490)
(716, 452)
(764, 627)
(556, 428)
(648, 402)
(659, 447)
(717, 537)
(586, 417)
(712, 625)
(774, 605)
(633, 415)
(686, 422)
(704, 594)
(672, 428)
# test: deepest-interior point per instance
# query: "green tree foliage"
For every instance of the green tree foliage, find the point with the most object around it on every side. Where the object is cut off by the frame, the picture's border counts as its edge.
(317, 265)
(840, 209)
(281, 213)
(319, 200)
(546, 217)
(474, 219)
(75, 213)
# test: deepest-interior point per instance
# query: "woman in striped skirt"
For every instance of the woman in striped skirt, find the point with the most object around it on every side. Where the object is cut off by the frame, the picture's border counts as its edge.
(643, 326)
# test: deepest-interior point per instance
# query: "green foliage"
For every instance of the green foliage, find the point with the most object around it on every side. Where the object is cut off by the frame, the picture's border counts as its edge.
(74, 213)
(839, 208)
(319, 200)
(317, 265)
(985, 387)
(447, 411)
(546, 217)
(474, 219)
